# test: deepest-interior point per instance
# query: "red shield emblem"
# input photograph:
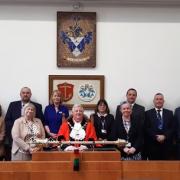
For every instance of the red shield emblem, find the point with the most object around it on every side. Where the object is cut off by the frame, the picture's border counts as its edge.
(67, 90)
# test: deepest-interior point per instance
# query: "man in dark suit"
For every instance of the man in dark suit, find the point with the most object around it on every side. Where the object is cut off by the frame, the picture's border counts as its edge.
(159, 127)
(138, 111)
(15, 110)
(177, 130)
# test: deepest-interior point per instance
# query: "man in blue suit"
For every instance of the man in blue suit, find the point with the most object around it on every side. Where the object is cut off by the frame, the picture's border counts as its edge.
(159, 127)
(15, 110)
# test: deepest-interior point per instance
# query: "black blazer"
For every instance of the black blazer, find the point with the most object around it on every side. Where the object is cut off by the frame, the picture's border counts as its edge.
(13, 113)
(134, 136)
(177, 123)
(138, 112)
(109, 120)
(151, 126)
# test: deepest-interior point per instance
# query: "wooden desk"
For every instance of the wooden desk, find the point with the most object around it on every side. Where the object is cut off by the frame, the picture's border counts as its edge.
(59, 165)
(84, 156)
(151, 170)
(93, 166)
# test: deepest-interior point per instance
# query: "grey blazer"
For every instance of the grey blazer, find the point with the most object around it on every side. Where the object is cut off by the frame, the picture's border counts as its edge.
(19, 132)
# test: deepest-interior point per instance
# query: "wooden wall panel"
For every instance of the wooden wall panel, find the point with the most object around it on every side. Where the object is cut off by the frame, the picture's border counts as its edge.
(92, 167)
(85, 156)
(151, 170)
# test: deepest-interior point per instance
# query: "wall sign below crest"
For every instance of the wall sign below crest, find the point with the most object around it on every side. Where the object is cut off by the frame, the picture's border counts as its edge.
(78, 89)
(76, 39)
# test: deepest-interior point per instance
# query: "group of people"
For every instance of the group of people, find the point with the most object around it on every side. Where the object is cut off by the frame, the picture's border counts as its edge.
(151, 134)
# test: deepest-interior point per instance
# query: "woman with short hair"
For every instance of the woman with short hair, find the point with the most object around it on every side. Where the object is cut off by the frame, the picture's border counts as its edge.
(128, 128)
(25, 129)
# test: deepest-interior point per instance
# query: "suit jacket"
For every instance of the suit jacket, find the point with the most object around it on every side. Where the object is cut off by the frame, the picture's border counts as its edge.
(109, 120)
(138, 112)
(13, 113)
(19, 132)
(177, 123)
(134, 136)
(2, 134)
(151, 126)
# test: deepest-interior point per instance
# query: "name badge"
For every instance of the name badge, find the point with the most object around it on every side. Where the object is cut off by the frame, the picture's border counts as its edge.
(103, 131)
(128, 144)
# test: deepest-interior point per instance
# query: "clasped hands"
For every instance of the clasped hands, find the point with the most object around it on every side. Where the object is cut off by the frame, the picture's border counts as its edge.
(160, 138)
(72, 148)
(34, 149)
(129, 150)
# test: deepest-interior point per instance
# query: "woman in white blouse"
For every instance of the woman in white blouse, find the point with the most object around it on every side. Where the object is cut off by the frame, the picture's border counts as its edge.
(24, 129)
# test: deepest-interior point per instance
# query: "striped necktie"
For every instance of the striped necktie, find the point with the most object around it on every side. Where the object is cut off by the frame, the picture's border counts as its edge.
(160, 120)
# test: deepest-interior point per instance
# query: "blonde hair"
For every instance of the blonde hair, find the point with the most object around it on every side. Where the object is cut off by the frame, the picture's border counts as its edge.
(59, 94)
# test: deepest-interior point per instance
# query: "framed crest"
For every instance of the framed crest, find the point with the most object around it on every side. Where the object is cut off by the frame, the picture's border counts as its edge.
(76, 39)
(78, 89)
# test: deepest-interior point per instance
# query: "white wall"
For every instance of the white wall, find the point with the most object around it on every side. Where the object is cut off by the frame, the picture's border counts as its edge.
(137, 47)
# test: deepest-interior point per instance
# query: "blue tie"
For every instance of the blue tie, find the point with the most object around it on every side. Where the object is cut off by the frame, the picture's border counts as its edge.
(160, 120)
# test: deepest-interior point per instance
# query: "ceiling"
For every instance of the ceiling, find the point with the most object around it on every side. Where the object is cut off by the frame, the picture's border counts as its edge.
(120, 2)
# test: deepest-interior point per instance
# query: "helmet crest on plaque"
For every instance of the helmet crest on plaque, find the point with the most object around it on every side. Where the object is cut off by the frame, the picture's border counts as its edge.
(67, 90)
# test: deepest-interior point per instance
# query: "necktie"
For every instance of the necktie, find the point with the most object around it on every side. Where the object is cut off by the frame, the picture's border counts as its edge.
(102, 122)
(22, 109)
(160, 120)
